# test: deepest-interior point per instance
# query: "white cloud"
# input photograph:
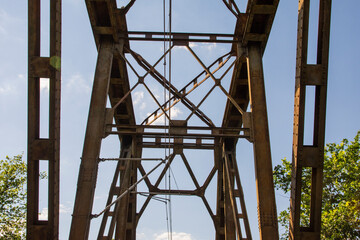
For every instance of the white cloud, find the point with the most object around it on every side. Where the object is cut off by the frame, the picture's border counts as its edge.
(202, 46)
(138, 99)
(44, 84)
(98, 197)
(10, 85)
(4, 18)
(9, 26)
(175, 113)
(180, 48)
(141, 236)
(44, 214)
(64, 209)
(175, 236)
(209, 46)
(77, 83)
(6, 89)
(192, 45)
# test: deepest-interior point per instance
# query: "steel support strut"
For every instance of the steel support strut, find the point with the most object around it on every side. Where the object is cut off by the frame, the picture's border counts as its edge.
(311, 156)
(267, 214)
(126, 215)
(231, 221)
(123, 216)
(122, 172)
(45, 149)
(94, 132)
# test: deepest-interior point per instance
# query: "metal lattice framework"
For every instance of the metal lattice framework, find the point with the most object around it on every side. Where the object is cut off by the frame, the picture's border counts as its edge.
(246, 47)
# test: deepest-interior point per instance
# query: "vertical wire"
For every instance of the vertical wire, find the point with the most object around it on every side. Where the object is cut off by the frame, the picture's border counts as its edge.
(165, 119)
(170, 72)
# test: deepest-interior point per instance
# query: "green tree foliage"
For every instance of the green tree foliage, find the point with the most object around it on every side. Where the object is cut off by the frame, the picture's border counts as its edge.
(12, 198)
(341, 191)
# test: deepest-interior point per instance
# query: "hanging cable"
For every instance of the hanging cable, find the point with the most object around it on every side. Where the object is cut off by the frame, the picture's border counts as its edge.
(107, 208)
(165, 120)
(167, 47)
(170, 77)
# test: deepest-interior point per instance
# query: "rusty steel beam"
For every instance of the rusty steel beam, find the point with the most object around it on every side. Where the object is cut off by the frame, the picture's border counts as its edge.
(311, 156)
(253, 26)
(125, 152)
(260, 17)
(123, 217)
(182, 38)
(247, 85)
(268, 224)
(227, 219)
(221, 222)
(48, 148)
(232, 6)
(126, 220)
(119, 86)
(94, 132)
(174, 135)
(232, 177)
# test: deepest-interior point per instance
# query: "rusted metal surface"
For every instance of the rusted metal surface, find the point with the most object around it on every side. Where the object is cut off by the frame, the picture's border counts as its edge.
(254, 26)
(267, 214)
(248, 83)
(112, 40)
(311, 156)
(94, 132)
(43, 149)
(232, 177)
(246, 45)
(179, 37)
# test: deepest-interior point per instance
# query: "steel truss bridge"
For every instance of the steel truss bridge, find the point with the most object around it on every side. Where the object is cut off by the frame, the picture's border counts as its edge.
(245, 116)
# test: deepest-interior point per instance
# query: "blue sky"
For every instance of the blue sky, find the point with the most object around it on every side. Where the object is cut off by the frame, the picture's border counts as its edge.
(78, 64)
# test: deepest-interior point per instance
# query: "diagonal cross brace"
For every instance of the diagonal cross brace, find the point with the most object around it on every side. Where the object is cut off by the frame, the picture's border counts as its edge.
(165, 83)
(217, 82)
(185, 93)
(231, 5)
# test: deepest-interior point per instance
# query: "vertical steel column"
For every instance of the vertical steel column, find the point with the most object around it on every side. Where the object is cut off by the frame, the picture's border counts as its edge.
(313, 155)
(221, 222)
(228, 224)
(54, 116)
(94, 132)
(47, 149)
(126, 220)
(119, 185)
(114, 191)
(232, 177)
(268, 224)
